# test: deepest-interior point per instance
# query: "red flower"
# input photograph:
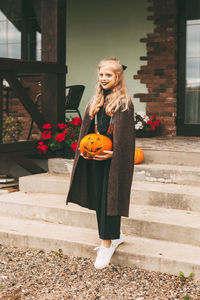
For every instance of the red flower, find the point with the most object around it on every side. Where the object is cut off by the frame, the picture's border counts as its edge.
(42, 148)
(74, 146)
(149, 122)
(153, 117)
(76, 121)
(72, 135)
(46, 126)
(156, 123)
(65, 131)
(153, 127)
(62, 126)
(60, 137)
(46, 135)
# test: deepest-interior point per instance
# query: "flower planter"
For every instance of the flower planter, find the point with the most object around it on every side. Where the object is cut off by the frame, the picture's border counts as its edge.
(60, 165)
(145, 134)
(60, 141)
(147, 127)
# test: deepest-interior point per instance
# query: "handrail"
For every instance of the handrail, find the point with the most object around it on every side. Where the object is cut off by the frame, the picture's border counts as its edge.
(25, 147)
(27, 66)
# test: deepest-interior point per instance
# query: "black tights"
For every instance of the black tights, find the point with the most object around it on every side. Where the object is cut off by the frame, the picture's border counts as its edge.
(108, 226)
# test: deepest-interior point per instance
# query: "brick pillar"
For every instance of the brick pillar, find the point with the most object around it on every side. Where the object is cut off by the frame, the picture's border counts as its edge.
(160, 73)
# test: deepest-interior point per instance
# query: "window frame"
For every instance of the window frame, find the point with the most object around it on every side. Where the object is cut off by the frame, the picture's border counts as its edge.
(182, 128)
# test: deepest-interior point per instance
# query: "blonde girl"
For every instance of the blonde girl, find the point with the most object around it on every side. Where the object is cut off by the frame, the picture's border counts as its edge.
(103, 183)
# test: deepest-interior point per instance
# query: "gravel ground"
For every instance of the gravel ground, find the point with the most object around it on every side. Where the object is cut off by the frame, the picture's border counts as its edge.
(37, 274)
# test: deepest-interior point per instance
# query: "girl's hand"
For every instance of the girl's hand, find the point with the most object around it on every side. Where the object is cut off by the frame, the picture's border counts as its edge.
(84, 156)
(107, 155)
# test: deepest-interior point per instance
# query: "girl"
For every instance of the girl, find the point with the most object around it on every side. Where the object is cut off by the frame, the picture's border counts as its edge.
(104, 182)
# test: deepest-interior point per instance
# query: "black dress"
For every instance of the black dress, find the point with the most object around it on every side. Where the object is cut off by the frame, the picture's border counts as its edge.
(108, 226)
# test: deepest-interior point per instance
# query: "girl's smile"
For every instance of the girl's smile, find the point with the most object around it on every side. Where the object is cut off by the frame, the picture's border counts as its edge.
(107, 78)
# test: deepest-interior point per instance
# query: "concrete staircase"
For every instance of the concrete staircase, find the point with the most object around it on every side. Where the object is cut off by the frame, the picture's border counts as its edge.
(162, 231)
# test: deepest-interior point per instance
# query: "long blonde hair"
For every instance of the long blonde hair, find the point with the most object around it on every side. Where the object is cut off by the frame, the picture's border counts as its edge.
(118, 98)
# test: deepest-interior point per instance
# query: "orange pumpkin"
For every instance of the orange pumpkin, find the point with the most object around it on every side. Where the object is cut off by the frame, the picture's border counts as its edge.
(139, 156)
(94, 144)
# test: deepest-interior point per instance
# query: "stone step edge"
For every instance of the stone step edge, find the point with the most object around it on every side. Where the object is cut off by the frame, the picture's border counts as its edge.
(144, 221)
(136, 184)
(145, 253)
(167, 150)
(137, 166)
(156, 156)
(167, 167)
(170, 156)
(161, 187)
(139, 213)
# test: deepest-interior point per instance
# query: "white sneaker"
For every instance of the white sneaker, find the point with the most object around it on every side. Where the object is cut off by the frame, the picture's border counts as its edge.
(103, 256)
(119, 241)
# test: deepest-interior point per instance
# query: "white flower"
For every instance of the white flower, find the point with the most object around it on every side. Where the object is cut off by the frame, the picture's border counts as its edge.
(140, 125)
(137, 126)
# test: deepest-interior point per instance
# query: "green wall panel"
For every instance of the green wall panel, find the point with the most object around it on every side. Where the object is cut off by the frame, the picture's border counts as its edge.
(106, 28)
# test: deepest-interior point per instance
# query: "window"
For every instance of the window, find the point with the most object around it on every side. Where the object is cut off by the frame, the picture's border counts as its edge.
(192, 94)
(10, 38)
(38, 46)
(188, 106)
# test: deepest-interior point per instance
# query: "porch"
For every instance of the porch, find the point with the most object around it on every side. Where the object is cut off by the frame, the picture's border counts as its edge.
(162, 231)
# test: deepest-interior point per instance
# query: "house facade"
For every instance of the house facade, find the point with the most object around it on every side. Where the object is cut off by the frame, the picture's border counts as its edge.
(158, 40)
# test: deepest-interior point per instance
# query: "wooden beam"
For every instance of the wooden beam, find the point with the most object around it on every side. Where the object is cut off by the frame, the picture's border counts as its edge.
(18, 151)
(24, 29)
(27, 66)
(53, 50)
(24, 98)
(25, 147)
(1, 107)
(27, 164)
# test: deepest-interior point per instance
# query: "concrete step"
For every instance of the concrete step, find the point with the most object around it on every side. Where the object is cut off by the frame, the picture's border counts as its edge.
(174, 150)
(55, 183)
(143, 192)
(153, 255)
(167, 174)
(167, 155)
(144, 221)
(174, 196)
(171, 157)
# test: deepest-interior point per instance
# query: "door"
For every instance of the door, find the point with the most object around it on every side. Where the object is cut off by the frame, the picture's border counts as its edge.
(188, 109)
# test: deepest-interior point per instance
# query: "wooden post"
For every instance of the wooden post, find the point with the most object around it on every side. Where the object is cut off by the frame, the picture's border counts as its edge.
(28, 31)
(53, 25)
(1, 108)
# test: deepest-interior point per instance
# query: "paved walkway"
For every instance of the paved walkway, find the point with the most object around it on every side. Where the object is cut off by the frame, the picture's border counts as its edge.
(186, 144)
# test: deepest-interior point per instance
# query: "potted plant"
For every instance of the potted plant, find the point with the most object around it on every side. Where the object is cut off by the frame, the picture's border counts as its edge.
(60, 142)
(146, 126)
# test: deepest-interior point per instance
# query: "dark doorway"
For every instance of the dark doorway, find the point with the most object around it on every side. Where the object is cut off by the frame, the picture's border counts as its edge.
(188, 114)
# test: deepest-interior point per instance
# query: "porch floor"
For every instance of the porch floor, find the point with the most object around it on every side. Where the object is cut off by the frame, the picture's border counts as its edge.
(178, 143)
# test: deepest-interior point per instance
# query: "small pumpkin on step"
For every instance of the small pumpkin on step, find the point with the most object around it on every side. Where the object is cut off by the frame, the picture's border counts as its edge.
(139, 156)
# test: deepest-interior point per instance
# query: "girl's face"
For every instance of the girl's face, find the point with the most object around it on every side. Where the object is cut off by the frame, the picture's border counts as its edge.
(107, 78)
